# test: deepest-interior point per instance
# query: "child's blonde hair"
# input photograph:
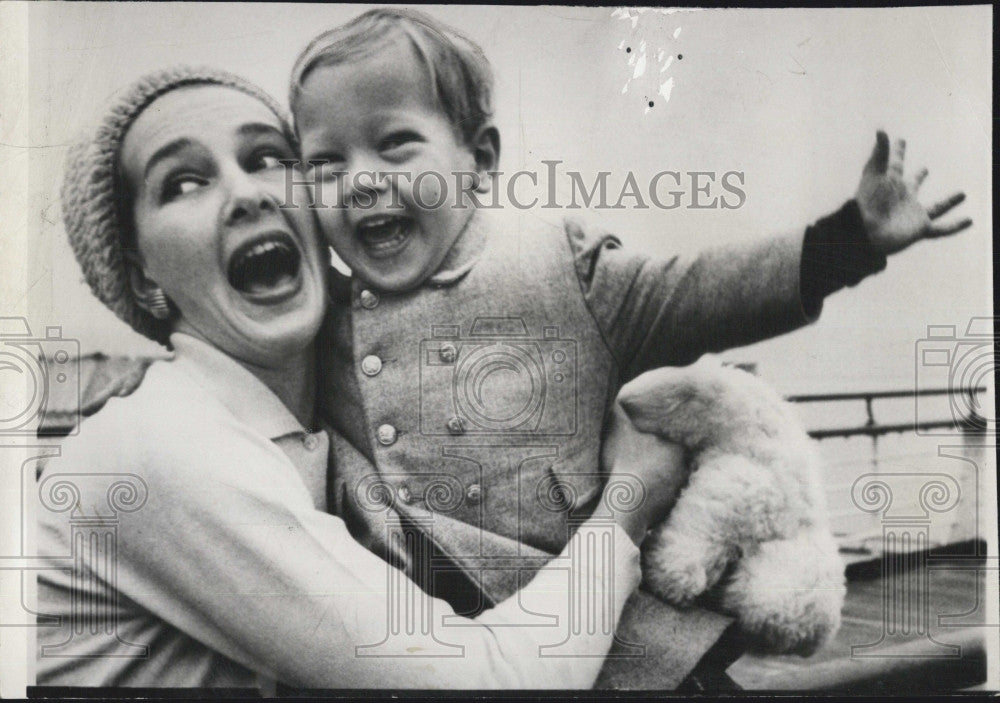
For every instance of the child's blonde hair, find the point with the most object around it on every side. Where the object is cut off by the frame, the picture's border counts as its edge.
(456, 66)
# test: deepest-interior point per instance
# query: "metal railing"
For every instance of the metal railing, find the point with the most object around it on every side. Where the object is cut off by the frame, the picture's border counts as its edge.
(972, 422)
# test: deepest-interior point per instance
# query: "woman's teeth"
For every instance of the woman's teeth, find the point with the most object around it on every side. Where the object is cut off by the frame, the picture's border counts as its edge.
(265, 266)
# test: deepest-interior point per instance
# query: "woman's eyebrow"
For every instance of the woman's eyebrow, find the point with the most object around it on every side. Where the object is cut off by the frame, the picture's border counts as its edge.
(254, 129)
(165, 152)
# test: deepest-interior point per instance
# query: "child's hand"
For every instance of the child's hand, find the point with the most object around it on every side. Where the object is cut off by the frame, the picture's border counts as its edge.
(892, 215)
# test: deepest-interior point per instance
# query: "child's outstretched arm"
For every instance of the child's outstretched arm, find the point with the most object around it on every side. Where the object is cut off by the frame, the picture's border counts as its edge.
(669, 311)
(893, 217)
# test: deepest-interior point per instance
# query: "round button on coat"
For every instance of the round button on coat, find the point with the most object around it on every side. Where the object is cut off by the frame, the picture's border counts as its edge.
(371, 365)
(456, 425)
(386, 435)
(310, 441)
(368, 299)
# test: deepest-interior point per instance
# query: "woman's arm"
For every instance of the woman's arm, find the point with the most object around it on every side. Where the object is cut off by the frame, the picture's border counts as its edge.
(290, 593)
(229, 549)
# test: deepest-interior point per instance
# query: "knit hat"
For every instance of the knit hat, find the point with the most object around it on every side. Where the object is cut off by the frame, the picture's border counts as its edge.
(94, 205)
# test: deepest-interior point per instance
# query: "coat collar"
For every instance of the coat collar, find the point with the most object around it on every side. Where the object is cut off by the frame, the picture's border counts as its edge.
(240, 391)
(465, 253)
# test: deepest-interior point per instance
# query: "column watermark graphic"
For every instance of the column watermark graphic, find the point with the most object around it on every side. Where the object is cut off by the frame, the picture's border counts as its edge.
(905, 541)
(19, 561)
(978, 560)
(591, 604)
(410, 609)
(93, 560)
(586, 597)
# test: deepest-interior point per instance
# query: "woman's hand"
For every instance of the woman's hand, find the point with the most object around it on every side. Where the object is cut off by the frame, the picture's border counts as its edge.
(658, 465)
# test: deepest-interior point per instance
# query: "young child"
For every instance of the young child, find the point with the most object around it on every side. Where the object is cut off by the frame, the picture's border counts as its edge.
(471, 359)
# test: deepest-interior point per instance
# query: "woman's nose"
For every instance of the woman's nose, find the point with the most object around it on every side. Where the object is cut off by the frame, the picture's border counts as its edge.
(247, 201)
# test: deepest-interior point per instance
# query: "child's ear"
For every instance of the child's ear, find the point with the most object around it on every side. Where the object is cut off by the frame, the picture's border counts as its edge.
(486, 149)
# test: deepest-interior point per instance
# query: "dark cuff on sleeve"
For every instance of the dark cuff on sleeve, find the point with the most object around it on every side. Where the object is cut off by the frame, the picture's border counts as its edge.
(836, 253)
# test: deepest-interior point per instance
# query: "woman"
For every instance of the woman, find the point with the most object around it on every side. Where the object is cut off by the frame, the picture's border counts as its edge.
(186, 524)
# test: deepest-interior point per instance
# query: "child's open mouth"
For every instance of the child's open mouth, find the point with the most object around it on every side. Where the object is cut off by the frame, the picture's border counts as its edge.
(266, 269)
(383, 236)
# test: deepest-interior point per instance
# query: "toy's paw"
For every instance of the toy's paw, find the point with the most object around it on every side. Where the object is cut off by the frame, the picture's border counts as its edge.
(788, 596)
(673, 567)
(810, 631)
(679, 585)
(793, 621)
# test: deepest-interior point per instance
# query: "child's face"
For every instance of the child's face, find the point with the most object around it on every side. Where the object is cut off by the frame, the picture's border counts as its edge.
(379, 115)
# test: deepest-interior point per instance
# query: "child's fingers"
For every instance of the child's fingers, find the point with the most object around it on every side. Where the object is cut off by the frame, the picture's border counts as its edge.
(935, 231)
(941, 207)
(880, 154)
(919, 179)
(897, 156)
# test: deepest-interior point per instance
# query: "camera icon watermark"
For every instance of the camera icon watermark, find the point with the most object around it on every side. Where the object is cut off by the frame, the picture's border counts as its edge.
(498, 379)
(960, 367)
(47, 365)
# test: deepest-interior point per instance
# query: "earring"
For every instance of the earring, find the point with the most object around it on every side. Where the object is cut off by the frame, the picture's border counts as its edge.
(158, 306)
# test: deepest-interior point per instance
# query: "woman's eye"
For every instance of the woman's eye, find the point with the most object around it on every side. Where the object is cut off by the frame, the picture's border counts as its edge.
(181, 186)
(264, 162)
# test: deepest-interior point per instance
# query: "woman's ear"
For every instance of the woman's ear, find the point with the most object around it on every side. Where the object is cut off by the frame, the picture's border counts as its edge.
(486, 149)
(149, 296)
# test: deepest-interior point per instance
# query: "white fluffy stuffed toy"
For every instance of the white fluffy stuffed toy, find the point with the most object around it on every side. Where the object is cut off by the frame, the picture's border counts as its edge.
(754, 502)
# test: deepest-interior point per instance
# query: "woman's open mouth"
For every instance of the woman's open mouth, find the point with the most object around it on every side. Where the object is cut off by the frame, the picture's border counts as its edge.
(383, 236)
(267, 269)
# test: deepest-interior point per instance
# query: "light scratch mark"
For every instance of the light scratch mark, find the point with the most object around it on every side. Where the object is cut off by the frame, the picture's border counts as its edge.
(666, 88)
(640, 67)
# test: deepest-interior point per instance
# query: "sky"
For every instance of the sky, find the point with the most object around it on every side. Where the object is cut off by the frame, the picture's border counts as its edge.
(790, 99)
